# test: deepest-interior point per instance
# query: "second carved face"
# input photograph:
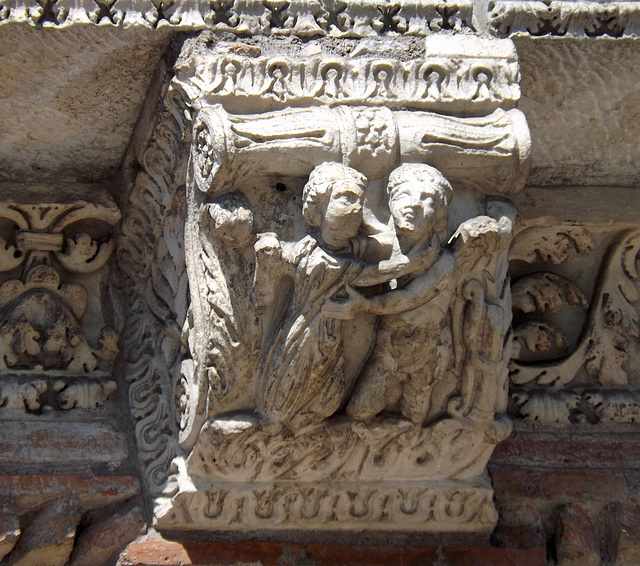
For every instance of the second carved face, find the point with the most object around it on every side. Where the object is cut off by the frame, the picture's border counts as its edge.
(413, 206)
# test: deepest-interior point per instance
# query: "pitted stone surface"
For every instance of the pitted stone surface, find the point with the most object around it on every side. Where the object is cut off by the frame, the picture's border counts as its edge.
(71, 98)
(582, 103)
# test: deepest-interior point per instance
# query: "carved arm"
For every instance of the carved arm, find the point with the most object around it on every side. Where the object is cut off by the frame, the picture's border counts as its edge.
(394, 268)
(418, 292)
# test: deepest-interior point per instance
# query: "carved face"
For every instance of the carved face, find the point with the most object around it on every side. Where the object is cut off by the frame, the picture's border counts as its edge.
(413, 207)
(342, 215)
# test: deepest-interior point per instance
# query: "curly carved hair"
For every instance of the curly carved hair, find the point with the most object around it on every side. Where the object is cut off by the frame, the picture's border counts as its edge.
(319, 186)
(429, 177)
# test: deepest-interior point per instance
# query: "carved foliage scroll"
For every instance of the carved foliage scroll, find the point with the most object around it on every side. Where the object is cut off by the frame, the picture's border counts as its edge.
(151, 256)
(589, 372)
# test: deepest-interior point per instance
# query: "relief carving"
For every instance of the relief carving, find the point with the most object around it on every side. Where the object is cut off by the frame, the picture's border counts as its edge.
(560, 375)
(300, 18)
(46, 248)
(562, 18)
(542, 355)
(348, 318)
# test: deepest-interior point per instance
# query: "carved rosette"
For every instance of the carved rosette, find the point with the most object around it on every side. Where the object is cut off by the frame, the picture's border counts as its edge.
(52, 253)
(318, 189)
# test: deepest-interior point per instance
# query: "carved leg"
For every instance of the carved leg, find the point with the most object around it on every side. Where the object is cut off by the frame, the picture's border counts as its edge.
(373, 391)
(416, 394)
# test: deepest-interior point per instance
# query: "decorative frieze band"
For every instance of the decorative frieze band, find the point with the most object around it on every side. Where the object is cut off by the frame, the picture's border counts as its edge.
(565, 18)
(56, 348)
(463, 79)
(563, 406)
(334, 18)
(457, 506)
(302, 18)
(35, 393)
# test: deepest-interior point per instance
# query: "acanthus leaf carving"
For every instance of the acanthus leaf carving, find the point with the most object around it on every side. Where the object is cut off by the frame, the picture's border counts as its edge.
(536, 243)
(151, 257)
(545, 291)
(611, 319)
(539, 340)
(584, 406)
(564, 18)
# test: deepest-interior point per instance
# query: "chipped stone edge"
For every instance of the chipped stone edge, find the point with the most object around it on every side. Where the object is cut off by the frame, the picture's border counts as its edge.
(518, 18)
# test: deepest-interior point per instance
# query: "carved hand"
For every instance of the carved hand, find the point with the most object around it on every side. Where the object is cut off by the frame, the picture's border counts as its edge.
(344, 309)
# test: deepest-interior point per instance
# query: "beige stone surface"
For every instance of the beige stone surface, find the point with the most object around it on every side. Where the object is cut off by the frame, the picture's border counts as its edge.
(582, 104)
(71, 98)
(316, 210)
(317, 447)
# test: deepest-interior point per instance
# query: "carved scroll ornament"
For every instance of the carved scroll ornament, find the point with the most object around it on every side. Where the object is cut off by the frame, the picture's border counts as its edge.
(561, 376)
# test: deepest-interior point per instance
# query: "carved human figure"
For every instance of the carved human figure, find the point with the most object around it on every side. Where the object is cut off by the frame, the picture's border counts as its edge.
(413, 348)
(227, 240)
(301, 377)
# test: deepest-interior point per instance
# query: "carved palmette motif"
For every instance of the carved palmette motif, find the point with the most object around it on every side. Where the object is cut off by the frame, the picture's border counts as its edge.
(443, 81)
(46, 250)
(464, 508)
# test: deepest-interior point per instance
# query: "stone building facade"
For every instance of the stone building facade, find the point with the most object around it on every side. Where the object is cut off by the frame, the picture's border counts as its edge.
(319, 282)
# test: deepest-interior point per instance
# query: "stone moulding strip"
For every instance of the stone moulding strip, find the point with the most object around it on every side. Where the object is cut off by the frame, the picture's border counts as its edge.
(303, 18)
(444, 82)
(576, 405)
(383, 506)
(572, 19)
(31, 391)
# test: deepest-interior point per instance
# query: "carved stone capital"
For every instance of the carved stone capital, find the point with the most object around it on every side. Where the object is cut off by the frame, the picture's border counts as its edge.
(348, 310)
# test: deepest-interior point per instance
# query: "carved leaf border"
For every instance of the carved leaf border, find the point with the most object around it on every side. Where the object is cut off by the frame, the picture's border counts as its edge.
(155, 285)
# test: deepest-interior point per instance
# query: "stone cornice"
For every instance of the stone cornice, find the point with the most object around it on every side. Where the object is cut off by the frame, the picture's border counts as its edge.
(336, 18)
(302, 18)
